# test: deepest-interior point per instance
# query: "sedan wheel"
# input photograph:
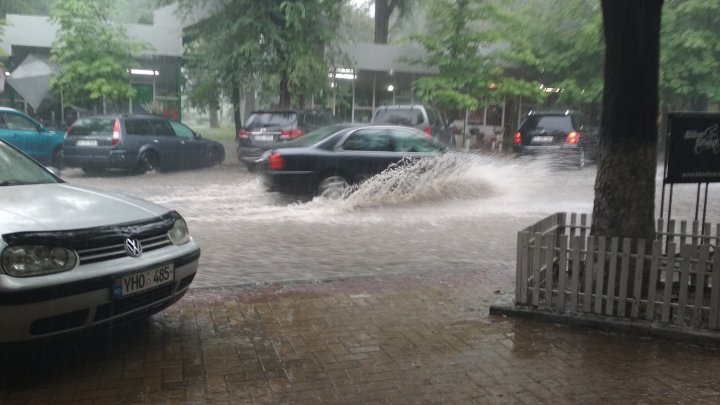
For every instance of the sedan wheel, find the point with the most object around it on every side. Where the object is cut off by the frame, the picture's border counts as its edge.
(148, 162)
(581, 159)
(332, 187)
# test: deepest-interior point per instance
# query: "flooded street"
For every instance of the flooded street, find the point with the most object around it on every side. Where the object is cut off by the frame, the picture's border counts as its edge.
(458, 214)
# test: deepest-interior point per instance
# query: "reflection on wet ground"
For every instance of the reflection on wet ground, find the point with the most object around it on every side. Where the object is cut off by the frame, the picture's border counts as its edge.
(366, 340)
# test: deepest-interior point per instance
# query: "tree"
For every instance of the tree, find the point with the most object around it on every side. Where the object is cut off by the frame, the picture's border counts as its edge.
(246, 45)
(94, 52)
(383, 11)
(31, 7)
(558, 43)
(690, 56)
(625, 184)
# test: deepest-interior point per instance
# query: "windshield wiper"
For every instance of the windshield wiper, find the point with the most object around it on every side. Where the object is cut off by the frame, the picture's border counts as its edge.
(13, 183)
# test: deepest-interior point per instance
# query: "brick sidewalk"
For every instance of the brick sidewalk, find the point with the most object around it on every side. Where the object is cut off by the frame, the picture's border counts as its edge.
(390, 340)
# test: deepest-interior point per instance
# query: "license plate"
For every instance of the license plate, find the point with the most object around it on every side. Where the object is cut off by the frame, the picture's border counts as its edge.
(145, 280)
(86, 142)
(263, 137)
(543, 139)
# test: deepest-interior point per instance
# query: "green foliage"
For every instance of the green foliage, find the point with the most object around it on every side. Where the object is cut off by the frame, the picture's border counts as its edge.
(94, 52)
(30, 7)
(690, 54)
(245, 42)
(556, 43)
(459, 49)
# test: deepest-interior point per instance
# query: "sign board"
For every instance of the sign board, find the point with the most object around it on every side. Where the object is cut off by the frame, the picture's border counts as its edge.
(693, 148)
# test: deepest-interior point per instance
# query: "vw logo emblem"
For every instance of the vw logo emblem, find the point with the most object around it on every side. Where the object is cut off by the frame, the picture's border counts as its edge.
(133, 247)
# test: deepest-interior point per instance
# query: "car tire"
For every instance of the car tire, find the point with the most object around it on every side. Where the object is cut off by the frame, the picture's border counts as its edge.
(148, 161)
(56, 160)
(215, 157)
(332, 186)
(581, 161)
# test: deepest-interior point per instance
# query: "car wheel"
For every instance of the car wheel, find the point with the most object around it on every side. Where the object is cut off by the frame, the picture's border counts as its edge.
(56, 160)
(332, 186)
(214, 157)
(148, 162)
(580, 162)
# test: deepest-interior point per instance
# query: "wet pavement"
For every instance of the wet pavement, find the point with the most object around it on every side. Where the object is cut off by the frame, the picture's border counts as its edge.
(395, 339)
(382, 297)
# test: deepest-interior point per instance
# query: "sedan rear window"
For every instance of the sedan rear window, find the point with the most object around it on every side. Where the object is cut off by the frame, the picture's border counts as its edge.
(92, 126)
(549, 123)
(261, 120)
(399, 117)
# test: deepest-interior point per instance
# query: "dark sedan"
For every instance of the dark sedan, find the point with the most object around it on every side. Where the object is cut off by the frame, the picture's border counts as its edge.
(329, 159)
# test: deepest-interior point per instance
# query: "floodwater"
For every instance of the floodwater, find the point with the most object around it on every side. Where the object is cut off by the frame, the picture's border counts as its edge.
(458, 212)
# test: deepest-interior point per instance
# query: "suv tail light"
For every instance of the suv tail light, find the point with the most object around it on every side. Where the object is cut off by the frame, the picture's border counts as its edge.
(276, 162)
(428, 131)
(116, 132)
(290, 134)
(572, 138)
(243, 134)
(517, 138)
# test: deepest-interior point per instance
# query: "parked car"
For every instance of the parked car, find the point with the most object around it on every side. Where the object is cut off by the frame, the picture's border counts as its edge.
(423, 117)
(73, 257)
(329, 159)
(30, 136)
(264, 128)
(137, 143)
(563, 135)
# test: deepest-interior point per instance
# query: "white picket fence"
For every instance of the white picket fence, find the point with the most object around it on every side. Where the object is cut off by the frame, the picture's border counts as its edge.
(673, 279)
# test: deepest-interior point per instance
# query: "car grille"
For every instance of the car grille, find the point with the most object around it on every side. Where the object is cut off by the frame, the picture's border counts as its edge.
(117, 250)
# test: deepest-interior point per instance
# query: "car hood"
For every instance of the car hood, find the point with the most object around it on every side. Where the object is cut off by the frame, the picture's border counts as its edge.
(60, 206)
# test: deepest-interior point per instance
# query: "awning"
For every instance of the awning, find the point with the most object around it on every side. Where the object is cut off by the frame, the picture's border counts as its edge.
(31, 79)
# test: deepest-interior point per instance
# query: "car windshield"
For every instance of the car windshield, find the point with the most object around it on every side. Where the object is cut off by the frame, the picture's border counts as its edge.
(399, 117)
(315, 136)
(271, 119)
(92, 126)
(17, 169)
(548, 122)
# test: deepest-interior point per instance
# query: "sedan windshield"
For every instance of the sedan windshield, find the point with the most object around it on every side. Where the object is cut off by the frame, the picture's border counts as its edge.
(315, 136)
(17, 169)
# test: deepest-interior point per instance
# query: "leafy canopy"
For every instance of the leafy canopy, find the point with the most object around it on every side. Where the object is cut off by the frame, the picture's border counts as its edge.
(94, 52)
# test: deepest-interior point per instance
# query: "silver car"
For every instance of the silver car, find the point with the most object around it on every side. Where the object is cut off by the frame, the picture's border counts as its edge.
(72, 257)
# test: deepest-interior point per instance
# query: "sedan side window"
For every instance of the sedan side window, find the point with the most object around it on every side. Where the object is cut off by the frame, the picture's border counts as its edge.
(181, 130)
(15, 121)
(161, 128)
(369, 141)
(406, 141)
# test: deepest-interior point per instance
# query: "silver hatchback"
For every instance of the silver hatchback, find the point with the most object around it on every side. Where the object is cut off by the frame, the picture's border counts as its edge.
(73, 257)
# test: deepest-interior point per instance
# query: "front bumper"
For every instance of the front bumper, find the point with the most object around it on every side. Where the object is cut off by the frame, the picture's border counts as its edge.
(68, 303)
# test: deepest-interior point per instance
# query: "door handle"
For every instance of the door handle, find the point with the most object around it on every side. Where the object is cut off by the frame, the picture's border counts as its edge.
(155, 140)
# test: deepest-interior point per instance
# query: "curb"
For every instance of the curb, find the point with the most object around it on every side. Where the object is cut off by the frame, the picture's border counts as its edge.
(698, 337)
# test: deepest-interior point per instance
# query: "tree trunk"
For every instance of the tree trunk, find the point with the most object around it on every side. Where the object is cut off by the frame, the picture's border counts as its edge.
(235, 100)
(382, 21)
(284, 91)
(214, 119)
(625, 184)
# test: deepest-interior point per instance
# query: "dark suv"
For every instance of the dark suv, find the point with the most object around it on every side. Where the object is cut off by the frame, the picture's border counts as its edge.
(138, 143)
(423, 117)
(564, 135)
(264, 128)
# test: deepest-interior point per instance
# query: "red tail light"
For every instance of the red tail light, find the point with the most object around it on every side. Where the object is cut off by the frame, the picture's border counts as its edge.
(290, 134)
(116, 132)
(517, 138)
(276, 162)
(243, 134)
(428, 131)
(572, 138)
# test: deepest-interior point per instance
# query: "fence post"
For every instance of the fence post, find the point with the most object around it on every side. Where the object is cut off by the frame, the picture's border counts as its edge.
(700, 283)
(537, 246)
(624, 273)
(521, 271)
(575, 279)
(639, 269)
(600, 275)
(715, 292)
(686, 253)
(669, 274)
(562, 269)
(588, 274)
(549, 265)
(652, 284)
(609, 306)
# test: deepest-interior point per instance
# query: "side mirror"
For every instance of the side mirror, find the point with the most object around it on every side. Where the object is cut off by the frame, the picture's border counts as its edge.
(197, 135)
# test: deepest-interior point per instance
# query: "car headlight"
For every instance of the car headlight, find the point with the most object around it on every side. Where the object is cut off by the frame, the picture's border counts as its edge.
(36, 260)
(179, 233)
